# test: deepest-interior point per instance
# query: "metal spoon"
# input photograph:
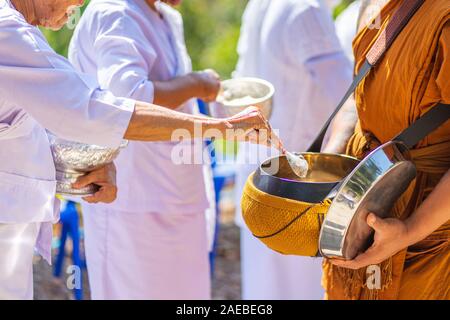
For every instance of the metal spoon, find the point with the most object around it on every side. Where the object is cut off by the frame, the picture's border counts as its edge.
(297, 163)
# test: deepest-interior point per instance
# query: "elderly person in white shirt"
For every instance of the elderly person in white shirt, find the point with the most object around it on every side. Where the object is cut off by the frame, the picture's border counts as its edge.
(151, 243)
(292, 44)
(41, 90)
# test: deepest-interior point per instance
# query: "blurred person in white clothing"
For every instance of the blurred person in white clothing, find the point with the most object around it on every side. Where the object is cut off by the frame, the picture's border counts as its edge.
(293, 45)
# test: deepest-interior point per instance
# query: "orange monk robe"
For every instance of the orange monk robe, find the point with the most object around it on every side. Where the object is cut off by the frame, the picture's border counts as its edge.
(413, 76)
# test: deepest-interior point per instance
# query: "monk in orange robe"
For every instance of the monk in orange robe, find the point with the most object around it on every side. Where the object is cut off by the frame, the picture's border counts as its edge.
(412, 249)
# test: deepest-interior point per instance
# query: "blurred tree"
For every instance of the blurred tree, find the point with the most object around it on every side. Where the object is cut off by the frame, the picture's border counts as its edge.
(212, 31)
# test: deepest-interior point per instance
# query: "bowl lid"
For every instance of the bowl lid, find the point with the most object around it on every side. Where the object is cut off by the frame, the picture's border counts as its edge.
(373, 186)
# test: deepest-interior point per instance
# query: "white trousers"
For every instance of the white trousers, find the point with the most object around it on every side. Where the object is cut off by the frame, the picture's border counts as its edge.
(146, 255)
(268, 275)
(17, 243)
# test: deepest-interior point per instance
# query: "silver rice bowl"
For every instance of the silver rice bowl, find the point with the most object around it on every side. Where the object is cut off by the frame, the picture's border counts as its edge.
(73, 160)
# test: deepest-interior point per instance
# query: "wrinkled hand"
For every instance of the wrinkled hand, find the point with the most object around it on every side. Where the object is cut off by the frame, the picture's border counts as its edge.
(391, 236)
(208, 84)
(250, 125)
(105, 178)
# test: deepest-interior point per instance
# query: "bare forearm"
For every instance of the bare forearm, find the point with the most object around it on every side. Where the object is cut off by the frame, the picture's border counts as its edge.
(342, 128)
(175, 92)
(155, 123)
(433, 213)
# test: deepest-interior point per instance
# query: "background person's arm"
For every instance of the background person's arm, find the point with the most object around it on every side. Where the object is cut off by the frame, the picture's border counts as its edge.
(155, 123)
(341, 128)
(204, 85)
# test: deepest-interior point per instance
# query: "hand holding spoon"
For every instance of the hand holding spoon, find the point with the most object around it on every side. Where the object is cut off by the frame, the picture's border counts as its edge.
(297, 163)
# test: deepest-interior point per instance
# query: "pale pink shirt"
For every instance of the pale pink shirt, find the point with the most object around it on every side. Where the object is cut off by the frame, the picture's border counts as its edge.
(126, 45)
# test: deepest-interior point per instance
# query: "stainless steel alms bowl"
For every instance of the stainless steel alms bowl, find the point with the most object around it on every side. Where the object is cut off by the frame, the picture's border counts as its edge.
(275, 176)
(74, 159)
(240, 93)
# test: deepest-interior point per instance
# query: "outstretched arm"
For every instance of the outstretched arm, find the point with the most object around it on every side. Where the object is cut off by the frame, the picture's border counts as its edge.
(154, 123)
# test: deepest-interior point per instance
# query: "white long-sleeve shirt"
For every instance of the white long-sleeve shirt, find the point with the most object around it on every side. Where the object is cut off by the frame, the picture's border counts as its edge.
(40, 90)
(127, 46)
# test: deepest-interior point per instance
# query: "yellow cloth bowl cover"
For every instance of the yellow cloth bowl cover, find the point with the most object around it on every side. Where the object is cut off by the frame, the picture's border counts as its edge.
(284, 225)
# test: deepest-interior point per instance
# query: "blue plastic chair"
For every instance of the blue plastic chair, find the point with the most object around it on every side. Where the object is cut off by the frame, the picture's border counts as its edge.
(70, 227)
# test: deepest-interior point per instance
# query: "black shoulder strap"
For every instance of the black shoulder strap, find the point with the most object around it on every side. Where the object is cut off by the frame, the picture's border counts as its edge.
(399, 20)
(426, 124)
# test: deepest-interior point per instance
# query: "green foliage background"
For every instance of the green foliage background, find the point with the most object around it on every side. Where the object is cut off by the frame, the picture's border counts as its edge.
(211, 31)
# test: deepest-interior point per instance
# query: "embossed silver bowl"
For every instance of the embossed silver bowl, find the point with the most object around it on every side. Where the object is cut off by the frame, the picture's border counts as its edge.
(240, 93)
(74, 159)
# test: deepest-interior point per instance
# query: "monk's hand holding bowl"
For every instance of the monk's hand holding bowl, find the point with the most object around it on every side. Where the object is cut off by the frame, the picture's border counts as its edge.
(391, 236)
(105, 178)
